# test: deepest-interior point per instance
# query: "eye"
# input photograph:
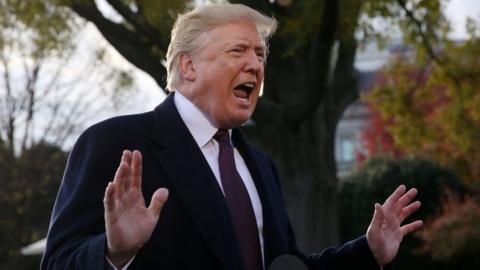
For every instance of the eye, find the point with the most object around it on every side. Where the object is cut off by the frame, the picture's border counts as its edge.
(261, 56)
(236, 50)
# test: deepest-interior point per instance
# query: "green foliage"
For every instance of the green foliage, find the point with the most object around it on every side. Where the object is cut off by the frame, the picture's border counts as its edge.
(433, 109)
(383, 19)
(29, 183)
(300, 23)
(377, 180)
(161, 14)
(50, 28)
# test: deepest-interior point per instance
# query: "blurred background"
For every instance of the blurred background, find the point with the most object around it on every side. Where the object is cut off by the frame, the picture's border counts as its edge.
(359, 96)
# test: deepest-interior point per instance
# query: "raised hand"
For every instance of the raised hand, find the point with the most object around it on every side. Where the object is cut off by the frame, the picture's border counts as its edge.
(128, 222)
(386, 232)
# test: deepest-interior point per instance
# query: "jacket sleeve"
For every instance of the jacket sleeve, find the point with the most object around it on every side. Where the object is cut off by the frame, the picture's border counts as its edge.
(76, 237)
(355, 254)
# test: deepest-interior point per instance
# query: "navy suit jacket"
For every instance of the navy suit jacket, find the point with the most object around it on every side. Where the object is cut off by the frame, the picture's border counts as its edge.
(194, 230)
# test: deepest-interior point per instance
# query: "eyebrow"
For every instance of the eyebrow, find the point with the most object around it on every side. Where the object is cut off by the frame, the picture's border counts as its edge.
(243, 43)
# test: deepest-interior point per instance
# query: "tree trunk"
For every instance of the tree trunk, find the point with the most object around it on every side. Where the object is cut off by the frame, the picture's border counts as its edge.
(307, 169)
(300, 134)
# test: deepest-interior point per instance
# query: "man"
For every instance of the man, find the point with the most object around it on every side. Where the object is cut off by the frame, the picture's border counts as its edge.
(211, 205)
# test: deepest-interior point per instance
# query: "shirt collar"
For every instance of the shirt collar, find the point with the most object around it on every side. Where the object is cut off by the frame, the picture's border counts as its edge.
(197, 123)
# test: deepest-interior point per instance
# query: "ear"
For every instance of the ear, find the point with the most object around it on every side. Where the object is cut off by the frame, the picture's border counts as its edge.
(186, 68)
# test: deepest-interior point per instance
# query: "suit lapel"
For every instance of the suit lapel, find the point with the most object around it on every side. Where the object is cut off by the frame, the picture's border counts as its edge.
(274, 243)
(192, 179)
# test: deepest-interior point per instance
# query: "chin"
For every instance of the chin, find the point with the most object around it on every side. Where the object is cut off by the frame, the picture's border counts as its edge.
(235, 118)
(233, 123)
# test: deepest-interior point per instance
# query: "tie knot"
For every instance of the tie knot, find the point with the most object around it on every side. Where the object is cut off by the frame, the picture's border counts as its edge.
(222, 137)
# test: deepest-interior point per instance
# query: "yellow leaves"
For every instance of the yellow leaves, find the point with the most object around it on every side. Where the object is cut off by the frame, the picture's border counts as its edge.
(472, 106)
(434, 110)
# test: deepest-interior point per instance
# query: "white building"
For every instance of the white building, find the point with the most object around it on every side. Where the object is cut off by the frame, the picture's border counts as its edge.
(355, 118)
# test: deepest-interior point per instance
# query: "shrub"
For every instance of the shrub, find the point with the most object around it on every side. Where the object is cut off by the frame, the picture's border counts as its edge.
(453, 236)
(376, 180)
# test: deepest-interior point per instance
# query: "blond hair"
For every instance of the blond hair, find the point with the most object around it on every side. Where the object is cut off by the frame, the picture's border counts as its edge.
(189, 26)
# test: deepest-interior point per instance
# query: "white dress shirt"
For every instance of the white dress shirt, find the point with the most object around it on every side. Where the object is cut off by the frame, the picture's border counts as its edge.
(203, 131)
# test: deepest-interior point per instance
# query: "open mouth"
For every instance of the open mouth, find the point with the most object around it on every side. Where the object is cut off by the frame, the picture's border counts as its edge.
(242, 92)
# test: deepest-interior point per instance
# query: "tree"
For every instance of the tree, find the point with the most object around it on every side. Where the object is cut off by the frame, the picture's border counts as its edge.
(29, 185)
(49, 86)
(48, 80)
(431, 105)
(376, 140)
(428, 106)
(315, 50)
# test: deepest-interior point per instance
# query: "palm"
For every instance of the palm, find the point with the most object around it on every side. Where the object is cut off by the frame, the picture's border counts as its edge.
(129, 223)
(386, 232)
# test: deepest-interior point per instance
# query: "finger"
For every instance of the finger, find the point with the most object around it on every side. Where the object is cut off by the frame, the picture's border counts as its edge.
(127, 158)
(407, 197)
(137, 169)
(109, 204)
(408, 210)
(378, 216)
(109, 199)
(411, 227)
(121, 177)
(158, 200)
(395, 196)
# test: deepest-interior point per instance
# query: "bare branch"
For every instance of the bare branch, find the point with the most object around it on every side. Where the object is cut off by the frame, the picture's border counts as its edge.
(441, 61)
(138, 20)
(129, 44)
(11, 106)
(55, 76)
(424, 38)
(31, 101)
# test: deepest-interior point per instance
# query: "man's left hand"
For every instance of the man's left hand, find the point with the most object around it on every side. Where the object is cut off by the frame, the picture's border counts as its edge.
(386, 232)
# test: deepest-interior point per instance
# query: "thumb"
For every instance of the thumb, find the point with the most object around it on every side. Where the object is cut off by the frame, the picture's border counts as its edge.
(158, 200)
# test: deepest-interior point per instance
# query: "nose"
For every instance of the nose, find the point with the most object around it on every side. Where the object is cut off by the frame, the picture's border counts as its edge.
(253, 63)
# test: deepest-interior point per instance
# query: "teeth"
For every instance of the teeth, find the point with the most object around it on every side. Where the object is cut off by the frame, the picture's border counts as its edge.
(250, 85)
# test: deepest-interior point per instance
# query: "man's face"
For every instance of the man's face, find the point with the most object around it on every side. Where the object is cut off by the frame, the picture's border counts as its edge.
(228, 72)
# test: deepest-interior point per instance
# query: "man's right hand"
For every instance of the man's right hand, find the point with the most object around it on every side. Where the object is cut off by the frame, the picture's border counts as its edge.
(128, 222)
